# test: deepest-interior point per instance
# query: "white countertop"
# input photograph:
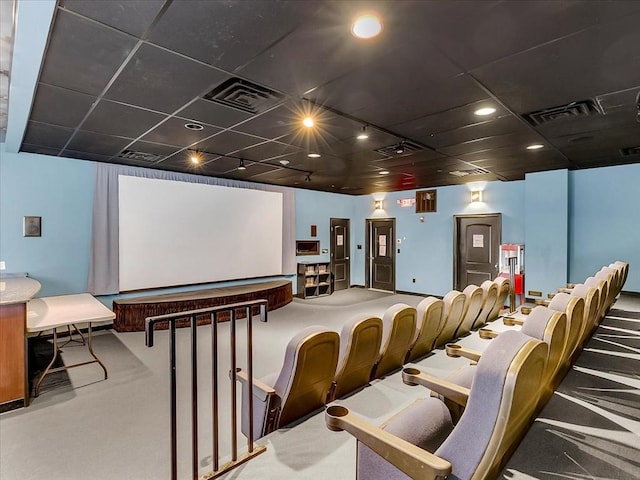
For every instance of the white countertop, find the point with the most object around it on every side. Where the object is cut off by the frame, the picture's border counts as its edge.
(49, 312)
(17, 289)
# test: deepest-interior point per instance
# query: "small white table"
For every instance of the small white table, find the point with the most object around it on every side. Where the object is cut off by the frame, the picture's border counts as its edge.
(49, 313)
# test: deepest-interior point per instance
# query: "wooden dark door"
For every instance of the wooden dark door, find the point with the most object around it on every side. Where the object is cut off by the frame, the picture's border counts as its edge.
(476, 250)
(381, 271)
(340, 247)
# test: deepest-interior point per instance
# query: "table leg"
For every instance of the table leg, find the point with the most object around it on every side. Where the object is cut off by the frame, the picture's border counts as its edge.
(90, 345)
(46, 370)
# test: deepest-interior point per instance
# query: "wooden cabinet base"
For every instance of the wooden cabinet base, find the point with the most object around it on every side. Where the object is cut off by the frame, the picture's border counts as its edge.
(13, 363)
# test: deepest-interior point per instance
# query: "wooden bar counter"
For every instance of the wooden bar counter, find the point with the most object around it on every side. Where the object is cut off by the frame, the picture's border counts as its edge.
(15, 291)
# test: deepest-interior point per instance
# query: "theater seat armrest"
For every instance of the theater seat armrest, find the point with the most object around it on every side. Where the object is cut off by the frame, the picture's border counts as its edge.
(455, 350)
(409, 458)
(449, 390)
(260, 389)
(512, 321)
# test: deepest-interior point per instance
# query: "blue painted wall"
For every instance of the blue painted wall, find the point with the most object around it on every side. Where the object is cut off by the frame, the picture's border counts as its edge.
(61, 192)
(599, 228)
(546, 230)
(604, 221)
(426, 248)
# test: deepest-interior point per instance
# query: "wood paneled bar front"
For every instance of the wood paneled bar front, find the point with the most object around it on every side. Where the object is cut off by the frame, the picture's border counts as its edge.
(15, 291)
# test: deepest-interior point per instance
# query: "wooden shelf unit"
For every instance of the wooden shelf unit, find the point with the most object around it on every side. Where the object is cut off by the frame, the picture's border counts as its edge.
(314, 279)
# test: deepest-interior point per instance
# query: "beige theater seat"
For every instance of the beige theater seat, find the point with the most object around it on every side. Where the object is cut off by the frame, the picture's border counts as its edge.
(624, 267)
(602, 287)
(472, 306)
(429, 324)
(609, 275)
(299, 388)
(573, 307)
(591, 297)
(543, 324)
(359, 349)
(452, 314)
(503, 292)
(499, 409)
(489, 298)
(399, 326)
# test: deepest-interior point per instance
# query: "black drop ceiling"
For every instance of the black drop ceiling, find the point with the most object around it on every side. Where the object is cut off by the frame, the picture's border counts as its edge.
(126, 76)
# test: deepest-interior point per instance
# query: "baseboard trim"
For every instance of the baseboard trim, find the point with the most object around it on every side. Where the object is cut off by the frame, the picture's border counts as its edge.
(418, 294)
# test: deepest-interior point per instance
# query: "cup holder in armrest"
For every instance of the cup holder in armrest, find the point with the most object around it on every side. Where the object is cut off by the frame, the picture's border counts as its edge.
(452, 349)
(487, 334)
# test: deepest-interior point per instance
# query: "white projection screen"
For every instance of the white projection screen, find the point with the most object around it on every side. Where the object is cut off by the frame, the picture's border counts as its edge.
(179, 233)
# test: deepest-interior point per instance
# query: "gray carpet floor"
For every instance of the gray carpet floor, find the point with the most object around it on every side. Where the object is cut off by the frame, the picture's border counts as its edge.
(119, 428)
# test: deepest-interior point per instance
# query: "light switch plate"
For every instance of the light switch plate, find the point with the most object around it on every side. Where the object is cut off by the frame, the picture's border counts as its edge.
(2, 265)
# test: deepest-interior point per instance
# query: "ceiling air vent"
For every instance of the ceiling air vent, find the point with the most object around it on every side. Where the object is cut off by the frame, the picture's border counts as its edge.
(401, 148)
(583, 108)
(244, 95)
(141, 156)
(464, 173)
(629, 151)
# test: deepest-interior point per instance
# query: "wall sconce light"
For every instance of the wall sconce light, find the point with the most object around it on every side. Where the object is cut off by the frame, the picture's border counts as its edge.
(476, 196)
(377, 205)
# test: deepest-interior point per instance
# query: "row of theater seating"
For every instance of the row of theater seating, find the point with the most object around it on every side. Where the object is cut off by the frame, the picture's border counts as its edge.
(321, 365)
(476, 416)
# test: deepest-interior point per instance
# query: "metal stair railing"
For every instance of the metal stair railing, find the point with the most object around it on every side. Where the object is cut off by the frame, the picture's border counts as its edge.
(193, 315)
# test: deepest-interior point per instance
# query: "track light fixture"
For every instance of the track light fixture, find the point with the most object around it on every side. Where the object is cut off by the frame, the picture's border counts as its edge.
(400, 148)
(363, 135)
(194, 156)
(241, 166)
(307, 178)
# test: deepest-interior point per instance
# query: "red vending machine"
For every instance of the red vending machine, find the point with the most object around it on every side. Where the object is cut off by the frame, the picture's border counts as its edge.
(514, 252)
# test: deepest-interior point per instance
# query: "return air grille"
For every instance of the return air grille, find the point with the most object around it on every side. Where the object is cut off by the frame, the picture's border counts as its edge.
(629, 151)
(583, 108)
(464, 173)
(245, 96)
(140, 156)
(407, 146)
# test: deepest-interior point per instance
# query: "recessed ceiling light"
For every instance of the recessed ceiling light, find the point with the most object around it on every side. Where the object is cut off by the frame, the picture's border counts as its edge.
(485, 111)
(535, 146)
(313, 155)
(285, 162)
(366, 26)
(193, 126)
(194, 158)
(384, 172)
(308, 122)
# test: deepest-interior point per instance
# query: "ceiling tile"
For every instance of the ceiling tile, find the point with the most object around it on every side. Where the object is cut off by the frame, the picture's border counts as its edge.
(92, 142)
(26, 147)
(215, 32)
(266, 151)
(578, 67)
(206, 111)
(476, 33)
(113, 118)
(45, 135)
(131, 16)
(499, 126)
(227, 142)
(59, 106)
(83, 55)
(161, 80)
(174, 132)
